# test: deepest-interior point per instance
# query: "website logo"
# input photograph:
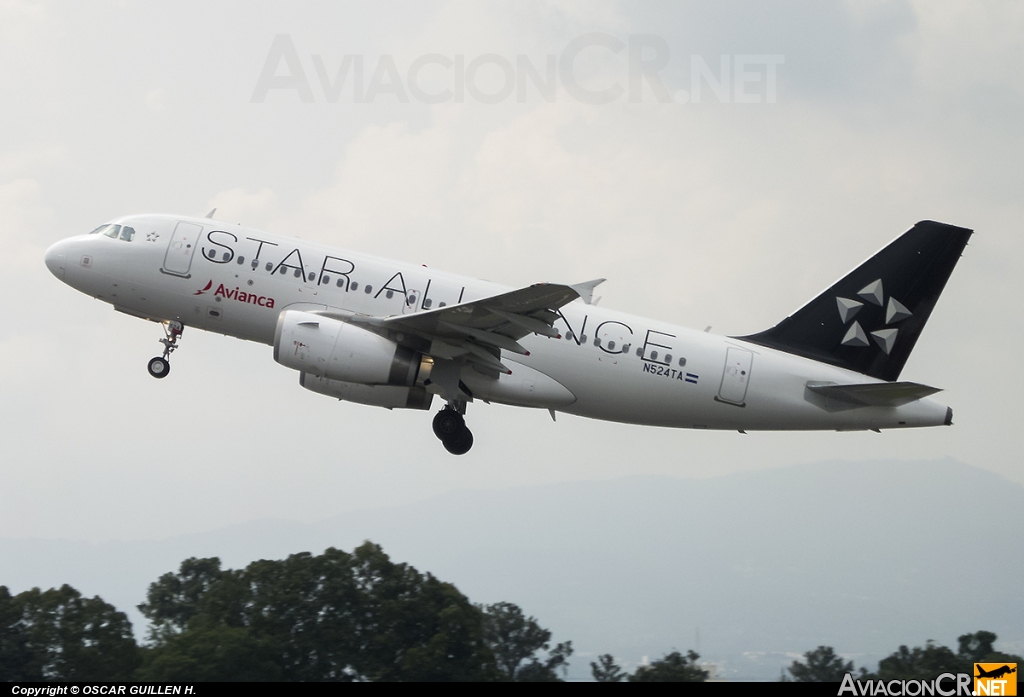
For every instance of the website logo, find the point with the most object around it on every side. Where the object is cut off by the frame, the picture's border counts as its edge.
(995, 679)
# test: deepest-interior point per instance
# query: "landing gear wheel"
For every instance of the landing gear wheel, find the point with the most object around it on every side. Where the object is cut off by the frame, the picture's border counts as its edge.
(159, 367)
(448, 423)
(460, 443)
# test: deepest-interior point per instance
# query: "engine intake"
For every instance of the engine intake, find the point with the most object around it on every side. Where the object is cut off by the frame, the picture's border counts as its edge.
(328, 348)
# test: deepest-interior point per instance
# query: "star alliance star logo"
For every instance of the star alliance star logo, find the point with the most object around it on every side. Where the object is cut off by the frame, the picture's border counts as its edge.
(895, 312)
(152, 237)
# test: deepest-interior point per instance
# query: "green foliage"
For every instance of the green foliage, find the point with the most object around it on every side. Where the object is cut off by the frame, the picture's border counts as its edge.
(928, 661)
(59, 635)
(673, 667)
(514, 640)
(823, 665)
(174, 599)
(606, 670)
(336, 616)
(920, 663)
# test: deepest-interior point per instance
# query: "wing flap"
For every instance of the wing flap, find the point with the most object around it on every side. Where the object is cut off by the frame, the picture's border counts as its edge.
(514, 314)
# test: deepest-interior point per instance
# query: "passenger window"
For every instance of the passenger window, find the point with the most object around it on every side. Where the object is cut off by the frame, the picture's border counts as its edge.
(668, 357)
(127, 233)
(255, 263)
(390, 294)
(325, 280)
(412, 300)
(568, 335)
(341, 281)
(625, 348)
(442, 304)
(113, 231)
(654, 355)
(227, 256)
(597, 341)
(298, 273)
(682, 362)
(640, 352)
(241, 260)
(269, 266)
(368, 289)
(354, 286)
(312, 276)
(583, 339)
(611, 345)
(427, 303)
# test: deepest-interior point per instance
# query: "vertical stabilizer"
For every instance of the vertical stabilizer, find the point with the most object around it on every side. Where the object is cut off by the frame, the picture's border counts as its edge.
(870, 320)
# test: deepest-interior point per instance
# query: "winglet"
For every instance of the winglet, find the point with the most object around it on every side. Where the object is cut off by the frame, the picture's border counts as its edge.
(586, 289)
(210, 214)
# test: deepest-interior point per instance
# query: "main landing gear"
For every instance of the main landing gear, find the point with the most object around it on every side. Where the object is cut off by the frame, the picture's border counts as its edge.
(450, 427)
(159, 367)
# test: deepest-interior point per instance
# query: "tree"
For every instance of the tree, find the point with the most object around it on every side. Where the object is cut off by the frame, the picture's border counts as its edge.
(928, 661)
(515, 640)
(59, 635)
(823, 665)
(336, 616)
(174, 599)
(15, 652)
(606, 670)
(920, 663)
(673, 667)
(978, 648)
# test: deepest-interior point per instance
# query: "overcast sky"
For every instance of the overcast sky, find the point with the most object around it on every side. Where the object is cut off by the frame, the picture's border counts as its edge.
(835, 127)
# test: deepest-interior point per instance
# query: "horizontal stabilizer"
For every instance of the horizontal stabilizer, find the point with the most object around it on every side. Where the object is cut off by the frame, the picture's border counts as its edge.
(874, 394)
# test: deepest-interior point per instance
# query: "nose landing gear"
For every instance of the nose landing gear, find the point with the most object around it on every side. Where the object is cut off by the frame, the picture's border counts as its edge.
(450, 427)
(159, 367)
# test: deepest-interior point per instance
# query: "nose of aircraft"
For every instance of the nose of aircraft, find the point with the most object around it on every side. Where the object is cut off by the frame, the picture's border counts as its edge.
(55, 259)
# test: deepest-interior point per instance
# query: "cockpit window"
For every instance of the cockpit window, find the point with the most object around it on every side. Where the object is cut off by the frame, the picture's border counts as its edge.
(115, 231)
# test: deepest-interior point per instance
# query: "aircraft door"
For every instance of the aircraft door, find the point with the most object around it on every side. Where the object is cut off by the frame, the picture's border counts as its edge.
(412, 302)
(178, 259)
(736, 376)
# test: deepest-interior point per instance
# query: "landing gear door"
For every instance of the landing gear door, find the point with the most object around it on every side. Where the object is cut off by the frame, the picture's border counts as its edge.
(736, 376)
(184, 241)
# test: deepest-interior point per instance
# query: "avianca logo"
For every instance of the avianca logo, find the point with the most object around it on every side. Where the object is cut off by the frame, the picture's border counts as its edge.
(237, 294)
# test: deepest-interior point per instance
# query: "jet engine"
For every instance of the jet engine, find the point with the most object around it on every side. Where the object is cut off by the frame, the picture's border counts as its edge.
(328, 348)
(387, 396)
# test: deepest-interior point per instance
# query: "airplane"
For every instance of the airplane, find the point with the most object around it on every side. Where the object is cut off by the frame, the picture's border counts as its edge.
(391, 334)
(995, 672)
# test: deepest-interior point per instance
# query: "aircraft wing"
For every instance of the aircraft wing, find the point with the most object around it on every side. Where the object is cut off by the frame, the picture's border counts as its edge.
(479, 329)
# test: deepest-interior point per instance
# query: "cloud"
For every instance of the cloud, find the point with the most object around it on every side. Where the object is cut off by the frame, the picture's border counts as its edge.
(961, 47)
(237, 204)
(156, 99)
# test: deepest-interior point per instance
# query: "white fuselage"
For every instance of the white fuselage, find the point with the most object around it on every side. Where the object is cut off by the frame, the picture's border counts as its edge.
(618, 367)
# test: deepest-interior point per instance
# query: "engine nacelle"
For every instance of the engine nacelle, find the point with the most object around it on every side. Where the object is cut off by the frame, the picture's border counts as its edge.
(387, 396)
(328, 348)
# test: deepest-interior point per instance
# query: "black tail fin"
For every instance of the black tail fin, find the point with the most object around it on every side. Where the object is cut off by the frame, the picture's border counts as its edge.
(869, 321)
